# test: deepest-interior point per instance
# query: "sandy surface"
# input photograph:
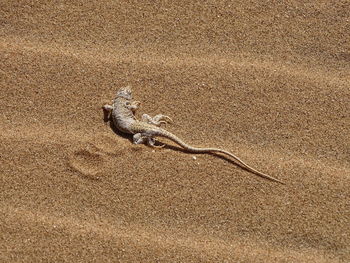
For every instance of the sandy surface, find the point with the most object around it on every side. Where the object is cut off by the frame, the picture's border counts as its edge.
(266, 81)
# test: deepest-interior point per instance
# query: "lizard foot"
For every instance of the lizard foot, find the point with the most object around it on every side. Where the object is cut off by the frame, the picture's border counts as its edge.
(156, 120)
(133, 106)
(107, 110)
(151, 142)
(138, 138)
(107, 107)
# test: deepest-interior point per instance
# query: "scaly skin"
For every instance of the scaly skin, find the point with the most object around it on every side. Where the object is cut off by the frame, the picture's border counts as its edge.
(122, 112)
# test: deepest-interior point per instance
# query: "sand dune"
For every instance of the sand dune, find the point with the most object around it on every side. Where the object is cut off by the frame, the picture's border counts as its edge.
(138, 241)
(266, 81)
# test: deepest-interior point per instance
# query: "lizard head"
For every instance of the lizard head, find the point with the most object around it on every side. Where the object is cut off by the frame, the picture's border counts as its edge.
(125, 93)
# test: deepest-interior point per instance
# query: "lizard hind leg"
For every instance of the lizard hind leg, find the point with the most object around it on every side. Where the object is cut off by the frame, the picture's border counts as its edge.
(139, 139)
(156, 120)
(151, 142)
(163, 118)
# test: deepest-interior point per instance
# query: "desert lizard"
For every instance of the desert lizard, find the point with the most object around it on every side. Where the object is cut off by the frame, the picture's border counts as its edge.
(122, 112)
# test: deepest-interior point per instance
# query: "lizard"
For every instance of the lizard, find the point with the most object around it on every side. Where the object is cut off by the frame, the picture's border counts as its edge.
(144, 131)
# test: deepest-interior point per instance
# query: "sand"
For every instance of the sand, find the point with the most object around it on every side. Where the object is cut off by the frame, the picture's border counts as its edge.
(266, 80)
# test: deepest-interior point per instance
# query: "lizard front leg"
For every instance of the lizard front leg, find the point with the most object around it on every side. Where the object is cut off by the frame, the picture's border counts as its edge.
(133, 106)
(107, 110)
(156, 120)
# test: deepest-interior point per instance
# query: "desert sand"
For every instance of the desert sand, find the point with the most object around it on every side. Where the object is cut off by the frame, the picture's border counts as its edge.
(266, 80)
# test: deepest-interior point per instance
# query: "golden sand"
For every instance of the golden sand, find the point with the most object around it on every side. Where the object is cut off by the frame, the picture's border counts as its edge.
(265, 80)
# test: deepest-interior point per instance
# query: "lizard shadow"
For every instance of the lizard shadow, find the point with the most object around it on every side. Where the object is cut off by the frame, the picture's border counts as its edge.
(108, 118)
(179, 149)
(217, 155)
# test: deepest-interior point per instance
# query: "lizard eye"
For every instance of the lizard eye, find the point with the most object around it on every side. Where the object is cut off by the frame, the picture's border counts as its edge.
(127, 103)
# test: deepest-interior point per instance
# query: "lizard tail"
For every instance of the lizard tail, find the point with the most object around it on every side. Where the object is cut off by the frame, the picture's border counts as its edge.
(174, 138)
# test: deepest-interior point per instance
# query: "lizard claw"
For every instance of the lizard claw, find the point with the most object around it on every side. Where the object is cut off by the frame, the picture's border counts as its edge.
(137, 103)
(162, 119)
(156, 120)
(133, 106)
(151, 142)
(168, 119)
(158, 146)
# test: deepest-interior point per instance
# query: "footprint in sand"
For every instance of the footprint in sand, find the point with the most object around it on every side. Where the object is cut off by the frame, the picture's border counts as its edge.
(88, 163)
(91, 161)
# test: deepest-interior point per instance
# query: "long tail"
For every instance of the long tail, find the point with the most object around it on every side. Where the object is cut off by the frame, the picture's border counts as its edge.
(174, 138)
